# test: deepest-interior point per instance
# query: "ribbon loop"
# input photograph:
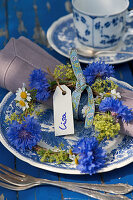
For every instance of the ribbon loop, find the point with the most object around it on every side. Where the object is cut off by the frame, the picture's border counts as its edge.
(80, 87)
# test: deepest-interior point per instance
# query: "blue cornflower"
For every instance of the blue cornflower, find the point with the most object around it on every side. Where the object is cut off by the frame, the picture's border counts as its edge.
(26, 135)
(39, 82)
(97, 69)
(91, 156)
(115, 106)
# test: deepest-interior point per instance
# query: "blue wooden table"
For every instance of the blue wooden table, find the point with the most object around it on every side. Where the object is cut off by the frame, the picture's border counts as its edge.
(32, 18)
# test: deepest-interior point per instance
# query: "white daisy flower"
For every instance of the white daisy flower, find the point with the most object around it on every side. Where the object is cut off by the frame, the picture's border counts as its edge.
(22, 94)
(73, 157)
(74, 160)
(22, 104)
(115, 94)
(85, 110)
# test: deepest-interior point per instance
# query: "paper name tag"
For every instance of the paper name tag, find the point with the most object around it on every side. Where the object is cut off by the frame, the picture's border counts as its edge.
(63, 112)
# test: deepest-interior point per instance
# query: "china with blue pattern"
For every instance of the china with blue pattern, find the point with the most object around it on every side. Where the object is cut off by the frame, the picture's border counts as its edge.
(62, 37)
(100, 25)
(119, 150)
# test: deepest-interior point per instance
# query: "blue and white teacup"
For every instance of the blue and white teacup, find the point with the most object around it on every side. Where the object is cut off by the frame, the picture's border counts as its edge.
(101, 24)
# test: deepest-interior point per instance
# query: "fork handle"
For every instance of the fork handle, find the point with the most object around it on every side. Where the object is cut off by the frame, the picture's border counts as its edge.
(97, 195)
(90, 193)
(85, 191)
(119, 188)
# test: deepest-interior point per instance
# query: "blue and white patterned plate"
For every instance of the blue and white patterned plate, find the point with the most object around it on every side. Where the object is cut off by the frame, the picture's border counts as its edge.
(62, 37)
(119, 150)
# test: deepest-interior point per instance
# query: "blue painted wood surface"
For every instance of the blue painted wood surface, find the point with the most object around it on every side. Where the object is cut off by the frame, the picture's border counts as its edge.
(32, 18)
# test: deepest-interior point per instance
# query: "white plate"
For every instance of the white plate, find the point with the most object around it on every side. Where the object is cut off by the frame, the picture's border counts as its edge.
(61, 36)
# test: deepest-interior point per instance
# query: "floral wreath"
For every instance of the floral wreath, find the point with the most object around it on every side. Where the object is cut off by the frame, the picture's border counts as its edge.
(24, 131)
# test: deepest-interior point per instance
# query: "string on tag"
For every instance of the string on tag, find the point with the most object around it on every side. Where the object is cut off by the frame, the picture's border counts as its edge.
(63, 91)
(57, 81)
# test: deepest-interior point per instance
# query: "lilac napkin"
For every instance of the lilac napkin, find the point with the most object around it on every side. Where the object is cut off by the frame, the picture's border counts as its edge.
(18, 59)
(127, 98)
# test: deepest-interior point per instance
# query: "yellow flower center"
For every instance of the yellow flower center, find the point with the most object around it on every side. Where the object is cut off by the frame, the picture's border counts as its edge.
(86, 111)
(108, 93)
(23, 95)
(76, 161)
(70, 152)
(22, 103)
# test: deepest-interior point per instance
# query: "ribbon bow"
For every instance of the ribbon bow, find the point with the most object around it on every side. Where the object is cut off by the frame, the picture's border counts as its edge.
(80, 87)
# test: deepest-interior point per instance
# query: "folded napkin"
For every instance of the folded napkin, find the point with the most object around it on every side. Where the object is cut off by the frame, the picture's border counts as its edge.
(127, 98)
(18, 59)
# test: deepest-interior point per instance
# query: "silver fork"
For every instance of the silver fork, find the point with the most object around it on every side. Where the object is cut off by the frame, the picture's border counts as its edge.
(90, 193)
(15, 180)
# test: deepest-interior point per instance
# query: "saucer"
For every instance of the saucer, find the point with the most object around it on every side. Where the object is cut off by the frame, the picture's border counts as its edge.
(62, 37)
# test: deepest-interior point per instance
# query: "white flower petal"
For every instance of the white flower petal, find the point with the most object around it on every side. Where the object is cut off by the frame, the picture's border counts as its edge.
(18, 98)
(18, 94)
(28, 98)
(115, 94)
(23, 107)
(113, 91)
